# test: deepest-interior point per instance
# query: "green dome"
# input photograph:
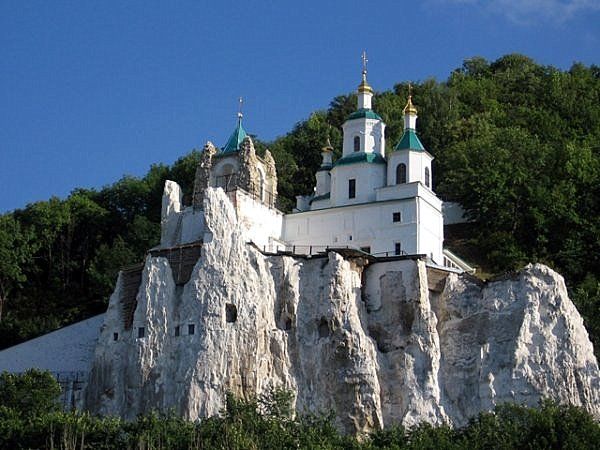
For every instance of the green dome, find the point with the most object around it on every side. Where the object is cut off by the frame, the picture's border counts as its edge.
(365, 113)
(409, 141)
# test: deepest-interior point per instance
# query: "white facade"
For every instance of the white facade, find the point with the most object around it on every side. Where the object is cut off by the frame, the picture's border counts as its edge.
(382, 204)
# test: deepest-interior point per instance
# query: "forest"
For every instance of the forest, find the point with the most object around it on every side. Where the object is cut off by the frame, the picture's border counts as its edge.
(516, 143)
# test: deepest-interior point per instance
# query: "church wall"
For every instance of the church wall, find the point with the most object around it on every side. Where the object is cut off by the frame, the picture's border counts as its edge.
(368, 178)
(263, 224)
(368, 225)
(416, 167)
(431, 231)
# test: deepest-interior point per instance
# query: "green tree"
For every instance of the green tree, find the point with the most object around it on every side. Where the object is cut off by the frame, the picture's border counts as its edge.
(16, 251)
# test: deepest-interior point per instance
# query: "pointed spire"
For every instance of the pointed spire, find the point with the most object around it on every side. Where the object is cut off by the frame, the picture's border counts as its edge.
(238, 135)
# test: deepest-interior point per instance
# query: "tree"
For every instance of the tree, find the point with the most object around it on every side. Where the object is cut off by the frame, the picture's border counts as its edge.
(31, 393)
(16, 251)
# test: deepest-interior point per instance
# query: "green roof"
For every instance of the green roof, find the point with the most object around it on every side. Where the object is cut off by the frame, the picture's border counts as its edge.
(409, 141)
(364, 113)
(355, 158)
(236, 138)
(316, 198)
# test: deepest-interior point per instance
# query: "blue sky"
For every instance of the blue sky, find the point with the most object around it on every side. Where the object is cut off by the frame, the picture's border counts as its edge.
(90, 90)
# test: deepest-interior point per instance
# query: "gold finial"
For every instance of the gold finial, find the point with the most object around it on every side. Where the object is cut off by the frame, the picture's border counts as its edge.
(364, 86)
(328, 147)
(410, 108)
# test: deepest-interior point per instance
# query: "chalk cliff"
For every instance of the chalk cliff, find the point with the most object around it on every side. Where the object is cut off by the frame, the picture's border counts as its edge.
(379, 342)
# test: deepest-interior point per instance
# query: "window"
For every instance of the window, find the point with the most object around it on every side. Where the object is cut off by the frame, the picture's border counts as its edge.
(350, 237)
(427, 176)
(396, 217)
(397, 248)
(191, 329)
(230, 313)
(401, 173)
(115, 336)
(177, 331)
(357, 143)
(352, 188)
(141, 332)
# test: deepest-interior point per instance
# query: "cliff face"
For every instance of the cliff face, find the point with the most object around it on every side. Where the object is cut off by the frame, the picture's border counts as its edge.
(378, 343)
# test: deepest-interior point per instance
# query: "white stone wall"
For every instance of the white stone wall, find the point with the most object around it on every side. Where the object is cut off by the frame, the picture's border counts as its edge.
(368, 178)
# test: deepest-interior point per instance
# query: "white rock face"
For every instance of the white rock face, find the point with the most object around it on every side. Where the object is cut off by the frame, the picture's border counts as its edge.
(374, 343)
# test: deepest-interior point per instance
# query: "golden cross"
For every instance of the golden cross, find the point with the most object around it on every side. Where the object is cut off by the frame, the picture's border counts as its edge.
(409, 89)
(364, 61)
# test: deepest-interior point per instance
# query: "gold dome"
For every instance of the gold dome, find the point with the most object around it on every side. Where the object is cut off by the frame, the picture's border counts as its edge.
(410, 108)
(364, 86)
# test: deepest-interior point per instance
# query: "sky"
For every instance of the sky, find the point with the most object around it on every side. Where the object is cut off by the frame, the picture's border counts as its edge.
(91, 91)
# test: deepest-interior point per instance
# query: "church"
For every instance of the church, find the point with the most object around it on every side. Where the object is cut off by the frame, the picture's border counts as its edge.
(377, 203)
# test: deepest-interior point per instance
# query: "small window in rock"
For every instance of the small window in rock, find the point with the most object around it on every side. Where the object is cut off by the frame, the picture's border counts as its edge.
(396, 217)
(230, 313)
(177, 331)
(397, 248)
(191, 329)
(323, 328)
(141, 332)
(288, 324)
(115, 336)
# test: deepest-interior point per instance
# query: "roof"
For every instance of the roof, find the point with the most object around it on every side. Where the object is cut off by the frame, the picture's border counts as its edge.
(236, 138)
(409, 141)
(355, 158)
(366, 113)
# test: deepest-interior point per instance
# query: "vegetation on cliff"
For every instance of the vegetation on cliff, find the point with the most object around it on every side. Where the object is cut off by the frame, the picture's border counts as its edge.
(515, 142)
(29, 418)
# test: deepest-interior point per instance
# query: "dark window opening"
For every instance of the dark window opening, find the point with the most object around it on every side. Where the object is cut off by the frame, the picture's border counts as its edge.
(401, 173)
(115, 336)
(191, 329)
(230, 313)
(141, 332)
(357, 143)
(177, 331)
(397, 248)
(323, 328)
(366, 249)
(397, 217)
(350, 237)
(288, 324)
(352, 188)
(427, 181)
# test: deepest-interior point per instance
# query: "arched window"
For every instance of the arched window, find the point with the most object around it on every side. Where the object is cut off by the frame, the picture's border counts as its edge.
(427, 181)
(401, 173)
(357, 143)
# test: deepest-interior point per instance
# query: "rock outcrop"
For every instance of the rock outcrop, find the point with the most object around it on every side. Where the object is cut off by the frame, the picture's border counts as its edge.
(379, 343)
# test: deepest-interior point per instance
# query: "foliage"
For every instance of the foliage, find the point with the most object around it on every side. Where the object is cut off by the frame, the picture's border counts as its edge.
(268, 423)
(29, 394)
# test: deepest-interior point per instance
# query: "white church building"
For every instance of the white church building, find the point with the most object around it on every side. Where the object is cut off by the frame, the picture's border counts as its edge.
(381, 204)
